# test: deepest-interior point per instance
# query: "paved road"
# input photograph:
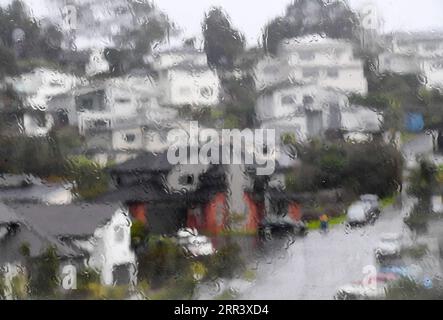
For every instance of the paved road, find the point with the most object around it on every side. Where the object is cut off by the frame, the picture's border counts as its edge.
(315, 266)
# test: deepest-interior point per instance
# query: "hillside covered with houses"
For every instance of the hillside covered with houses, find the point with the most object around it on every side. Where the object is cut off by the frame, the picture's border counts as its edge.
(85, 112)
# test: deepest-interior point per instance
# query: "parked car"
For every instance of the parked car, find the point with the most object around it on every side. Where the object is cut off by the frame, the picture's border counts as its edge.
(280, 227)
(372, 289)
(389, 246)
(366, 210)
(193, 243)
(394, 246)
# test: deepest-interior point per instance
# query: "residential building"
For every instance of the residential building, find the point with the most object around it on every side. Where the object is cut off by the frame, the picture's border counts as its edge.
(166, 198)
(314, 60)
(21, 242)
(119, 115)
(360, 124)
(36, 89)
(33, 190)
(184, 78)
(96, 233)
(309, 111)
(415, 53)
(304, 111)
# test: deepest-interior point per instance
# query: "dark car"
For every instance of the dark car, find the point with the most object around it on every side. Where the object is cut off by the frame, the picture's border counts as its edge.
(280, 227)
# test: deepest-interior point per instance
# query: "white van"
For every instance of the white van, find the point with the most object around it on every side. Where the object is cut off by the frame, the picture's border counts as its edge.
(366, 210)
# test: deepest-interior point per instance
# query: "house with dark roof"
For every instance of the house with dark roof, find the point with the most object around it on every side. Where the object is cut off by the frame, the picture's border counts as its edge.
(210, 198)
(93, 234)
(21, 242)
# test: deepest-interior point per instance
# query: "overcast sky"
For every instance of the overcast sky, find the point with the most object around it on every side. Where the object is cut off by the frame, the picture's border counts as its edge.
(251, 15)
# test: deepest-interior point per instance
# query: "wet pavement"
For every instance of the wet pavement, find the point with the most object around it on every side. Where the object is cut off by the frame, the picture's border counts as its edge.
(314, 267)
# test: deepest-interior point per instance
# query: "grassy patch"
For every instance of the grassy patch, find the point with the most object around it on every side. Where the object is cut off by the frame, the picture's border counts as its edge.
(315, 224)
(388, 201)
(407, 137)
(249, 275)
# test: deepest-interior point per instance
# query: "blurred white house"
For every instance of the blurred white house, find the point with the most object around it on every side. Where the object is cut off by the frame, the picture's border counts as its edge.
(325, 62)
(184, 78)
(309, 111)
(304, 111)
(415, 53)
(37, 89)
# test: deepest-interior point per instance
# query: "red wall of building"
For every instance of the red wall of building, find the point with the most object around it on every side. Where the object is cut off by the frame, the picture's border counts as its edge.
(294, 211)
(215, 213)
(213, 216)
(138, 211)
(255, 213)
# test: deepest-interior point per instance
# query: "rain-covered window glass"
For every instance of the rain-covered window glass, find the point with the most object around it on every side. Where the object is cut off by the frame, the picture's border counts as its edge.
(221, 150)
(288, 100)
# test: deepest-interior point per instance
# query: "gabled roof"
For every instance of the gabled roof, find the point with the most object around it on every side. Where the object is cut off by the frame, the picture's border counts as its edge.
(74, 220)
(142, 193)
(26, 232)
(145, 162)
(7, 215)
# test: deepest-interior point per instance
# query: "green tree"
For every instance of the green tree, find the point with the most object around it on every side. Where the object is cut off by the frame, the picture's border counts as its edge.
(89, 178)
(44, 275)
(359, 168)
(303, 17)
(35, 42)
(8, 63)
(223, 44)
(150, 27)
(422, 183)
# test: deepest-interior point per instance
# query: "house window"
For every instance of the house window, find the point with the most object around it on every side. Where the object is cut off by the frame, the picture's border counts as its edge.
(55, 83)
(99, 124)
(308, 100)
(91, 101)
(122, 100)
(129, 137)
(332, 73)
(121, 10)
(306, 55)
(87, 103)
(119, 234)
(40, 119)
(310, 73)
(288, 100)
(206, 92)
(187, 179)
(62, 117)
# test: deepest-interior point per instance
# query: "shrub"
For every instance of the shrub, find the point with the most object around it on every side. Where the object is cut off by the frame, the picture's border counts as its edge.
(226, 262)
(44, 275)
(162, 261)
(89, 179)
